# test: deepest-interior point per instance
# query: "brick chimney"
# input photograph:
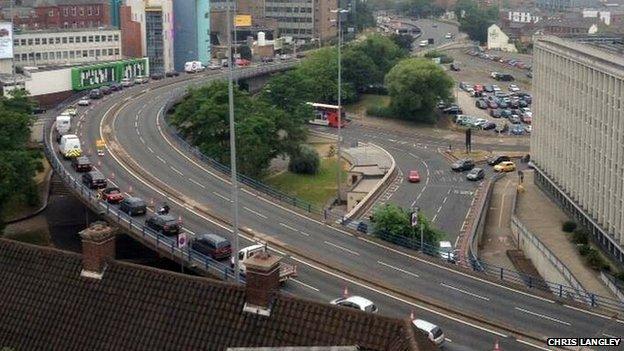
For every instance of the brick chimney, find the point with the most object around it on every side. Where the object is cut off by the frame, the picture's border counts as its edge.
(98, 245)
(262, 276)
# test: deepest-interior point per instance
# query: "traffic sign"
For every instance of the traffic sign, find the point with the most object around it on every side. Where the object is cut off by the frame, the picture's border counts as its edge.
(414, 218)
(182, 240)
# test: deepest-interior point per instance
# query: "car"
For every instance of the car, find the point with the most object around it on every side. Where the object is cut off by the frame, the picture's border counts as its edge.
(506, 113)
(517, 130)
(413, 176)
(523, 103)
(115, 86)
(479, 122)
(434, 25)
(213, 245)
(493, 161)
(141, 80)
(157, 76)
(446, 252)
(448, 36)
(430, 330)
(127, 82)
(465, 164)
(464, 86)
(455, 67)
(470, 91)
(495, 112)
(515, 119)
(423, 43)
(505, 166)
(172, 74)
(70, 110)
(526, 111)
(494, 74)
(481, 104)
(95, 94)
(488, 89)
(94, 180)
(513, 88)
(214, 66)
(82, 164)
(105, 89)
(441, 105)
(492, 104)
(529, 74)
(527, 119)
(488, 125)
(164, 224)
(502, 103)
(112, 195)
(475, 174)
(356, 302)
(505, 77)
(528, 129)
(453, 110)
(133, 206)
(478, 87)
(84, 102)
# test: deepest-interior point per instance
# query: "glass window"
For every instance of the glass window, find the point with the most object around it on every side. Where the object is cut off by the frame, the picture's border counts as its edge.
(65, 55)
(65, 12)
(44, 56)
(24, 57)
(116, 37)
(73, 11)
(30, 41)
(84, 39)
(51, 13)
(37, 41)
(97, 10)
(90, 11)
(90, 38)
(16, 42)
(110, 52)
(71, 40)
(81, 11)
(91, 53)
(116, 51)
(98, 53)
(72, 54)
(97, 38)
(16, 57)
(64, 40)
(22, 42)
(110, 38)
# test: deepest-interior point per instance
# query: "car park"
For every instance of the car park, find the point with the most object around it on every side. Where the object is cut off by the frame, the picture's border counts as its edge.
(133, 206)
(413, 176)
(465, 164)
(481, 104)
(493, 161)
(81, 164)
(94, 180)
(356, 302)
(112, 195)
(505, 166)
(495, 112)
(475, 174)
(84, 102)
(430, 330)
(214, 246)
(164, 224)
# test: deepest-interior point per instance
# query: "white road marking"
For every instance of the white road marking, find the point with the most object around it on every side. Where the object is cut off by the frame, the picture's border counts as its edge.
(161, 159)
(398, 269)
(304, 233)
(175, 170)
(289, 227)
(304, 284)
(141, 138)
(532, 345)
(222, 196)
(594, 314)
(610, 336)
(150, 149)
(342, 248)
(197, 183)
(255, 212)
(542, 316)
(465, 292)
(448, 340)
(434, 218)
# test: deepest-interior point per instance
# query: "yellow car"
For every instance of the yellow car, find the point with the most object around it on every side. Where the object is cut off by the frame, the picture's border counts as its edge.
(506, 166)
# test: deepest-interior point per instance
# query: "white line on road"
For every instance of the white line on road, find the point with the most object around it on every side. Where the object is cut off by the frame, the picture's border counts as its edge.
(304, 233)
(197, 183)
(175, 170)
(161, 159)
(150, 149)
(434, 218)
(342, 248)
(542, 316)
(445, 198)
(222, 196)
(532, 345)
(255, 212)
(465, 292)
(142, 140)
(304, 284)
(289, 227)
(609, 335)
(398, 269)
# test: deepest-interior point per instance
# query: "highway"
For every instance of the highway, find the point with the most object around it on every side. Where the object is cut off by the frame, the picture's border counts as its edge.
(135, 134)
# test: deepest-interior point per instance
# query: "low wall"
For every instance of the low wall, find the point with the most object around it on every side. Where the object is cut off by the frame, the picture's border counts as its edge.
(610, 283)
(475, 235)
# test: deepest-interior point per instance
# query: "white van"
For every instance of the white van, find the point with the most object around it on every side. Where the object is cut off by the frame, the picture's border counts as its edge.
(431, 331)
(193, 67)
(63, 124)
(423, 43)
(70, 146)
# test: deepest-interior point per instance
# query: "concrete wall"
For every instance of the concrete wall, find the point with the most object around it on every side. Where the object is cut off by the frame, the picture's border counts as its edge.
(498, 40)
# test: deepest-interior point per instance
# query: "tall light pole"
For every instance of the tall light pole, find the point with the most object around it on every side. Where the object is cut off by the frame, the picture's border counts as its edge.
(234, 180)
(339, 13)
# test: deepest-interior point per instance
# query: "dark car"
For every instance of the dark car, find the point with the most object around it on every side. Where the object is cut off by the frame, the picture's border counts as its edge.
(514, 103)
(463, 165)
(94, 180)
(488, 89)
(157, 76)
(515, 119)
(133, 206)
(172, 74)
(266, 59)
(475, 174)
(503, 103)
(506, 113)
(164, 224)
(492, 104)
(498, 159)
(523, 103)
(441, 105)
(505, 77)
(95, 94)
(82, 164)
(453, 110)
(488, 125)
(214, 246)
(481, 104)
(495, 112)
(115, 87)
(455, 67)
(105, 90)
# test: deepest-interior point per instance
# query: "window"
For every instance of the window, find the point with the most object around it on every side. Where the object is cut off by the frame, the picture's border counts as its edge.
(84, 53)
(16, 42)
(90, 11)
(64, 40)
(98, 53)
(65, 11)
(72, 54)
(24, 57)
(116, 51)
(73, 11)
(81, 11)
(30, 41)
(44, 56)
(57, 40)
(51, 13)
(65, 55)
(110, 38)
(71, 40)
(97, 10)
(65, 24)
(90, 38)
(91, 53)
(116, 37)
(16, 57)
(110, 52)
(37, 41)
(97, 38)
(84, 39)
(22, 42)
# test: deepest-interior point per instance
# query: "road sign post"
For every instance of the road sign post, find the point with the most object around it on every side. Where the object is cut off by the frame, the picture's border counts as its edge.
(182, 243)
(416, 222)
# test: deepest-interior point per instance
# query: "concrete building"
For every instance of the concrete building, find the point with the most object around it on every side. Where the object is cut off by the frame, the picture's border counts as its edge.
(304, 19)
(498, 40)
(191, 23)
(562, 5)
(66, 46)
(32, 14)
(577, 142)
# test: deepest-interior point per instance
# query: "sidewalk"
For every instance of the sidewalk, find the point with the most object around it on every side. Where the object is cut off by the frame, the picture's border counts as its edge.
(544, 218)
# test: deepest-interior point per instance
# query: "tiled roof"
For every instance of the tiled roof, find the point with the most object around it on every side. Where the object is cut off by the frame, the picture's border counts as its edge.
(46, 305)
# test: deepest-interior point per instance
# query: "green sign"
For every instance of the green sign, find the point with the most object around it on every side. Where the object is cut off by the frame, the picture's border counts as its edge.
(93, 76)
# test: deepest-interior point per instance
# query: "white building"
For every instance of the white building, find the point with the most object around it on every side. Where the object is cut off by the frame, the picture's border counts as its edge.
(498, 40)
(66, 46)
(522, 17)
(604, 16)
(577, 143)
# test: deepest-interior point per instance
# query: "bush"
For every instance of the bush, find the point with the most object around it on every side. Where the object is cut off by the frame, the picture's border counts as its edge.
(580, 236)
(568, 226)
(595, 260)
(446, 59)
(619, 275)
(305, 161)
(379, 111)
(584, 249)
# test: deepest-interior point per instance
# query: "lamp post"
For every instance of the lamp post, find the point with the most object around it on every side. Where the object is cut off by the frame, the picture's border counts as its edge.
(339, 13)
(234, 180)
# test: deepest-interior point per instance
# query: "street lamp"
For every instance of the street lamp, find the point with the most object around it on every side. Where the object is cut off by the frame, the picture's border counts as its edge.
(339, 13)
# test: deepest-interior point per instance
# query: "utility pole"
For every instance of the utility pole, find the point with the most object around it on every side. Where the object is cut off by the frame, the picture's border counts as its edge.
(234, 180)
(338, 166)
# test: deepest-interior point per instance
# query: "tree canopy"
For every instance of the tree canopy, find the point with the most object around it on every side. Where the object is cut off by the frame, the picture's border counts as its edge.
(396, 221)
(415, 86)
(474, 20)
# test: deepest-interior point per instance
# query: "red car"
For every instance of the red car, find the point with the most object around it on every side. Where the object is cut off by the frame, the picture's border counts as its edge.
(478, 88)
(527, 119)
(413, 177)
(112, 195)
(242, 62)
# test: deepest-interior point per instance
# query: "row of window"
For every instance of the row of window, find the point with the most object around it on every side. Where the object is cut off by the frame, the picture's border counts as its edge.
(295, 31)
(67, 40)
(81, 24)
(290, 1)
(290, 9)
(293, 19)
(91, 11)
(64, 55)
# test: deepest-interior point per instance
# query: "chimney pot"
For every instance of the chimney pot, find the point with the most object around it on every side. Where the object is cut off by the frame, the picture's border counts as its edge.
(262, 273)
(98, 245)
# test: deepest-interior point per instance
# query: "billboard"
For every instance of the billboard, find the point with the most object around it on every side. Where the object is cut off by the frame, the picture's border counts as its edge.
(242, 21)
(6, 40)
(93, 76)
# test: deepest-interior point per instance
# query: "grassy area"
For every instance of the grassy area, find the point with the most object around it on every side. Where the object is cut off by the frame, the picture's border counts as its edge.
(316, 189)
(475, 154)
(366, 101)
(19, 206)
(36, 237)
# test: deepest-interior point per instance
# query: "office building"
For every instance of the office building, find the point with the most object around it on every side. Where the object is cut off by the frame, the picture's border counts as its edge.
(577, 142)
(304, 19)
(191, 23)
(33, 14)
(66, 46)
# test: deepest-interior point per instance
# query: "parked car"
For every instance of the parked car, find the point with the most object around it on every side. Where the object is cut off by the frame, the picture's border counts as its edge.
(430, 330)
(133, 206)
(527, 119)
(94, 180)
(505, 77)
(492, 104)
(105, 89)
(496, 88)
(127, 82)
(112, 195)
(448, 36)
(478, 87)
(505, 166)
(479, 122)
(172, 74)
(453, 110)
(95, 94)
(513, 88)
(84, 102)
(356, 302)
(471, 92)
(115, 86)
(488, 89)
(502, 103)
(481, 104)
(413, 176)
(514, 119)
(81, 164)
(528, 129)
(446, 251)
(157, 76)
(214, 246)
(495, 112)
(463, 165)
(488, 125)
(475, 174)
(464, 85)
(494, 74)
(517, 129)
(523, 103)
(493, 161)
(441, 105)
(455, 67)
(141, 80)
(164, 224)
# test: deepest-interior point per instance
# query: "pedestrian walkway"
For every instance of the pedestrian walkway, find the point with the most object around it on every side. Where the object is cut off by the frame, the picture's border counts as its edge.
(544, 219)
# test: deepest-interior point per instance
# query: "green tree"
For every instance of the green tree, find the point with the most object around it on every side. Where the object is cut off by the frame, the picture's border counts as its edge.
(474, 20)
(415, 86)
(392, 220)
(404, 41)
(361, 17)
(245, 52)
(305, 161)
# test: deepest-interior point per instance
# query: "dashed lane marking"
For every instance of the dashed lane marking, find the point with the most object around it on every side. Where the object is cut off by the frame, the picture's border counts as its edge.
(342, 248)
(398, 269)
(465, 292)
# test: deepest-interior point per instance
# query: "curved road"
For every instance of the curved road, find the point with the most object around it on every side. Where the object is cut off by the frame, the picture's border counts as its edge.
(138, 134)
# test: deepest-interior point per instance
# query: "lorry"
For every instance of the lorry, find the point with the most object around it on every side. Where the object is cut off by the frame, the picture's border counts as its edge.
(70, 146)
(62, 125)
(193, 67)
(286, 271)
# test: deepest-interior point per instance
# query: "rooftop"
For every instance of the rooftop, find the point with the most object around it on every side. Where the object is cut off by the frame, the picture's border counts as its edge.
(19, 31)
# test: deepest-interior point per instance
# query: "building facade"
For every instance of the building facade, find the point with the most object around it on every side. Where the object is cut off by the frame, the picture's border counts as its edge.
(31, 15)
(577, 142)
(191, 23)
(498, 40)
(304, 19)
(66, 46)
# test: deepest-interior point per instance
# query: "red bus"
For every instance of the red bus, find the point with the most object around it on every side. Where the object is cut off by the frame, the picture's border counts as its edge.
(327, 115)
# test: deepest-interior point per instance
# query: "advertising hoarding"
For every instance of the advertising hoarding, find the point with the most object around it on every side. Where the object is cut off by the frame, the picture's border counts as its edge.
(242, 21)
(93, 76)
(6, 40)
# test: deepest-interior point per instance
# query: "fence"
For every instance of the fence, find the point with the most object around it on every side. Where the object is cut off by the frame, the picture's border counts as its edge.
(613, 284)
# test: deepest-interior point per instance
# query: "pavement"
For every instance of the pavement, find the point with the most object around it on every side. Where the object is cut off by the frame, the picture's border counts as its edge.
(544, 218)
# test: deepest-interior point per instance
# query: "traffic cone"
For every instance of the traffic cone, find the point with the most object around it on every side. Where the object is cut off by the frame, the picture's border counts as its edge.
(345, 293)
(112, 175)
(130, 190)
(180, 219)
(412, 315)
(496, 347)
